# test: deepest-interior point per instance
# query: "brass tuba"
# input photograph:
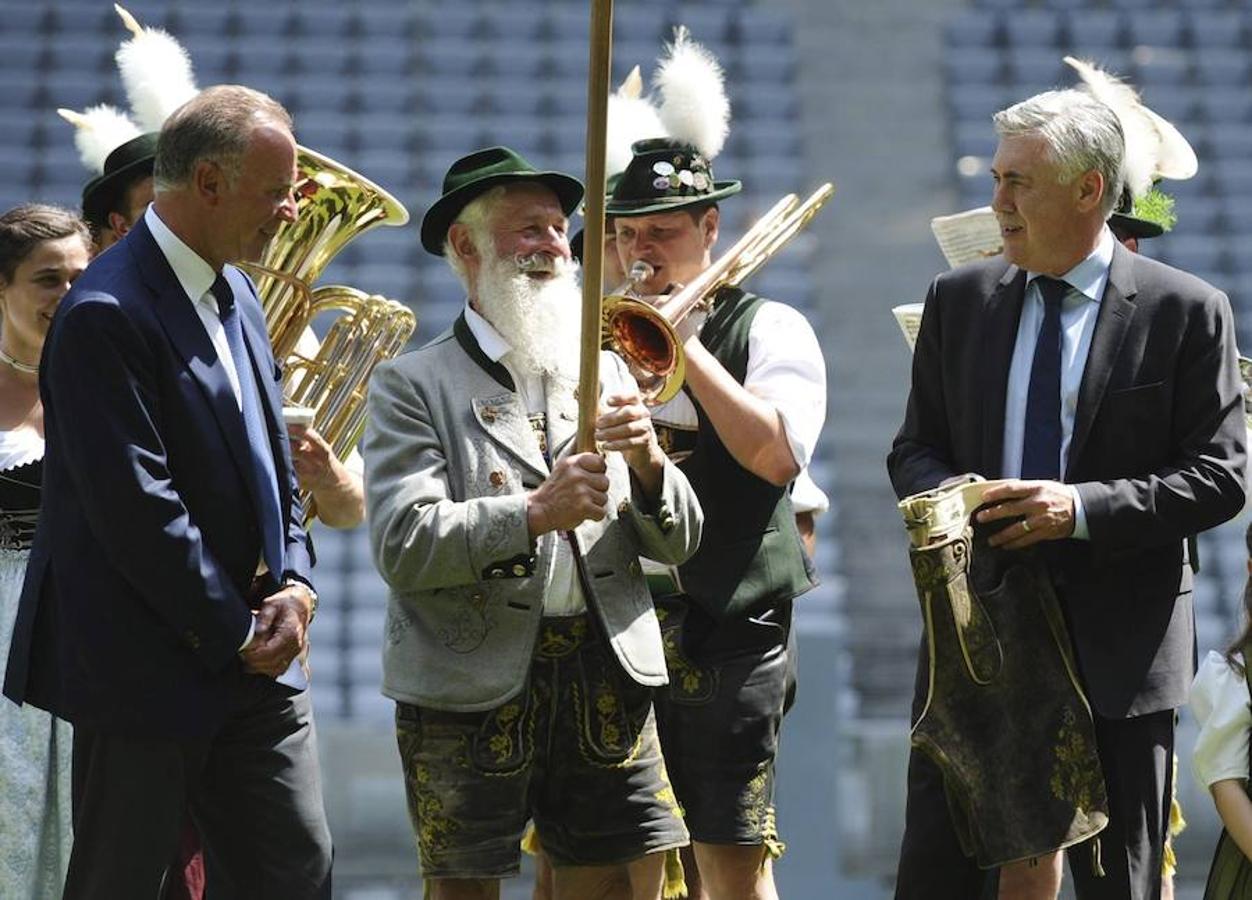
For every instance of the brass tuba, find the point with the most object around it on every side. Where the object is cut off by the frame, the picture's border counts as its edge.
(335, 204)
(646, 336)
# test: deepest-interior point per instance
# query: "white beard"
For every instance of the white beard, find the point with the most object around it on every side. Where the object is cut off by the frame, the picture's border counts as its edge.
(540, 319)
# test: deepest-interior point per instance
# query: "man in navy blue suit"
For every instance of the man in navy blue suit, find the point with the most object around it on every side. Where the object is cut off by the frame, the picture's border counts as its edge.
(168, 594)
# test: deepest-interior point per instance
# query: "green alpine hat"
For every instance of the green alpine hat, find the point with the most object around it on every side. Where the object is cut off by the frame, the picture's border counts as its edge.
(665, 175)
(473, 175)
(124, 165)
(1148, 216)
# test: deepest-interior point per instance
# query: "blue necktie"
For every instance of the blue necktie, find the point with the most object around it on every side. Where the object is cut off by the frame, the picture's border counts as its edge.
(1041, 448)
(264, 477)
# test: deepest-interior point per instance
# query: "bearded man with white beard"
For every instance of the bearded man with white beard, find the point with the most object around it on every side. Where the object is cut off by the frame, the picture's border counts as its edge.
(522, 647)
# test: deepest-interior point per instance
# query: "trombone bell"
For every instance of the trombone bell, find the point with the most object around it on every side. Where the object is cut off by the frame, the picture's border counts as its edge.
(648, 343)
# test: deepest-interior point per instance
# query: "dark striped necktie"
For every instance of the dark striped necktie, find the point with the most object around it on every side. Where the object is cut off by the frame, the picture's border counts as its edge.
(1041, 446)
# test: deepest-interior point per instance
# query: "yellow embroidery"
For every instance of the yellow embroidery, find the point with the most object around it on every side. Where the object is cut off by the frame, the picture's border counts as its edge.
(1073, 779)
(434, 829)
(554, 645)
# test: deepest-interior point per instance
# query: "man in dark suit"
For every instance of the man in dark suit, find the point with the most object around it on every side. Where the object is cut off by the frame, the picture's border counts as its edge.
(1105, 385)
(168, 592)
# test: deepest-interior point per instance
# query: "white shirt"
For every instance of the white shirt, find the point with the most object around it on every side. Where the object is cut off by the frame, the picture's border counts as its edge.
(564, 596)
(785, 369)
(807, 497)
(1219, 700)
(1079, 309)
(196, 277)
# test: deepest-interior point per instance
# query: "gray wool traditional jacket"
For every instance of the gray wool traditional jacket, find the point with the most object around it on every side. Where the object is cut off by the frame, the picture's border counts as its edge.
(449, 457)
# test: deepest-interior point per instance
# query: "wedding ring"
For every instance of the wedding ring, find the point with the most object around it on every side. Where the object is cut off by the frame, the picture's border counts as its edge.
(1025, 526)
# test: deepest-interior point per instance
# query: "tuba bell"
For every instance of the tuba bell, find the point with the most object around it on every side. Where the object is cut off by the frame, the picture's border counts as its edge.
(646, 335)
(335, 205)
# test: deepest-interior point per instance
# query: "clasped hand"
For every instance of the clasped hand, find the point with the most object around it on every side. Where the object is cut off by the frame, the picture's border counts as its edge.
(1045, 510)
(279, 633)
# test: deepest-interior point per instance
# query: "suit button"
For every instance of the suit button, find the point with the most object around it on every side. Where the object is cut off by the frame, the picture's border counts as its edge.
(192, 639)
(623, 508)
(634, 567)
(496, 478)
(497, 573)
(519, 570)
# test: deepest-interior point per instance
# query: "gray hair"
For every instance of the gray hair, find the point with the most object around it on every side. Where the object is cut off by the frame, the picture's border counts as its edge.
(476, 216)
(216, 125)
(1082, 134)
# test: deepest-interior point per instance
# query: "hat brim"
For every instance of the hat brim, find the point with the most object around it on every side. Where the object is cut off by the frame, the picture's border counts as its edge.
(101, 192)
(443, 212)
(626, 208)
(1133, 226)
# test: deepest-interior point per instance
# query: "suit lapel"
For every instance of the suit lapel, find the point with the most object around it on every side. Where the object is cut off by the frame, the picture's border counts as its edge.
(1001, 314)
(187, 335)
(1112, 320)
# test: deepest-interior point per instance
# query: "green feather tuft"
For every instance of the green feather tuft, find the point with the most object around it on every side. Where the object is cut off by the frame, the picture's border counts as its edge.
(1156, 206)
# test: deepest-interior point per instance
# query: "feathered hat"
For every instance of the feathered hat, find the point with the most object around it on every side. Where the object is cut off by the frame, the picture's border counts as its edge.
(671, 168)
(119, 149)
(1155, 149)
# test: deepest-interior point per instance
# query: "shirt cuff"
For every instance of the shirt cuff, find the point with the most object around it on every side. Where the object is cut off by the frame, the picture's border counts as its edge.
(1080, 516)
(251, 631)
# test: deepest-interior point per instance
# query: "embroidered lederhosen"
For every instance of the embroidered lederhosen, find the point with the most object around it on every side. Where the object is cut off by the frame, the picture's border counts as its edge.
(1005, 717)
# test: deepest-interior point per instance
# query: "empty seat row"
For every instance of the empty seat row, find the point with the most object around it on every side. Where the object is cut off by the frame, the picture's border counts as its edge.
(1101, 27)
(534, 22)
(1146, 67)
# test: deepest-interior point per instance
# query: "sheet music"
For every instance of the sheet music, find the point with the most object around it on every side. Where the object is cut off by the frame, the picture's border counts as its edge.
(966, 236)
(909, 318)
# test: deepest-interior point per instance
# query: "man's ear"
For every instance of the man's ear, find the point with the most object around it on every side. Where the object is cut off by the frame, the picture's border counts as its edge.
(709, 225)
(462, 241)
(1091, 189)
(209, 181)
(118, 225)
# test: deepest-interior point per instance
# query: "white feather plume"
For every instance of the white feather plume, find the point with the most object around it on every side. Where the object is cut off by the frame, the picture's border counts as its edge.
(693, 106)
(98, 131)
(631, 118)
(156, 72)
(1154, 148)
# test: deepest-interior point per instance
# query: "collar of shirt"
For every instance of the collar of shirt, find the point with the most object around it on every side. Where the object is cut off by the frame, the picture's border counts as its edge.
(489, 340)
(194, 274)
(1091, 275)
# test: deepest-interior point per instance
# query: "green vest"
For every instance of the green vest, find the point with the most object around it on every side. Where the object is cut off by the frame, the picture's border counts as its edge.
(750, 557)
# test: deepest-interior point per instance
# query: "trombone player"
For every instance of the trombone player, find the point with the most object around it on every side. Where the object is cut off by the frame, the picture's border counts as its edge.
(742, 431)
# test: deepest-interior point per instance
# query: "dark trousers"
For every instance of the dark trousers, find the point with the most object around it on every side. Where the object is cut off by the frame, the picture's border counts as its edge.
(253, 789)
(1136, 756)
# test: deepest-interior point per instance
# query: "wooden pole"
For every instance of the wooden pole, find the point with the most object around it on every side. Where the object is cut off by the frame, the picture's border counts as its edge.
(599, 75)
